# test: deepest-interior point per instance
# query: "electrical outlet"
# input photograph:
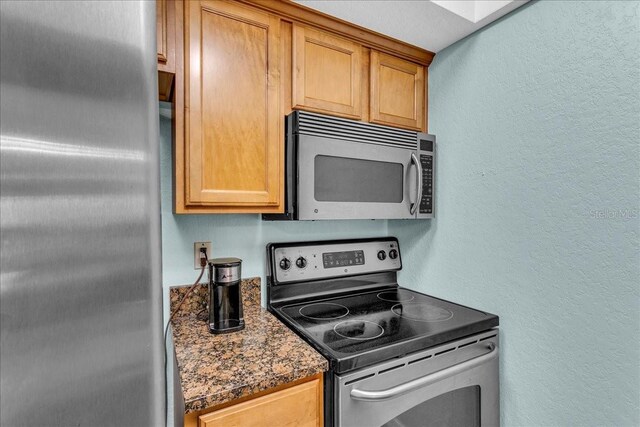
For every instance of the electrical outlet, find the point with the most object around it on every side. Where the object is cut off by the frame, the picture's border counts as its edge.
(196, 253)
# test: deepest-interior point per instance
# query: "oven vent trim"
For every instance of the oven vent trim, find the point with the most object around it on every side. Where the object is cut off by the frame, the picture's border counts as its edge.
(350, 130)
(445, 351)
(355, 380)
(420, 359)
(393, 368)
(432, 355)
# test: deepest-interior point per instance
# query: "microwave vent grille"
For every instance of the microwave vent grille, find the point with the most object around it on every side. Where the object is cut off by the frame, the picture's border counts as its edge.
(350, 130)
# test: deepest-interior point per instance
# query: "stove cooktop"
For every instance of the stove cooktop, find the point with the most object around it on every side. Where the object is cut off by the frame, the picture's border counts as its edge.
(361, 329)
(342, 296)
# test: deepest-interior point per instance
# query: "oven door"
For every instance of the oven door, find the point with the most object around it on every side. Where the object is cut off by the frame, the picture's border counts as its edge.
(340, 179)
(452, 385)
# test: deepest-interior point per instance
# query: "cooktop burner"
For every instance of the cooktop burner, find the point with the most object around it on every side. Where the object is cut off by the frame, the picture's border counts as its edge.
(358, 329)
(397, 295)
(422, 312)
(324, 311)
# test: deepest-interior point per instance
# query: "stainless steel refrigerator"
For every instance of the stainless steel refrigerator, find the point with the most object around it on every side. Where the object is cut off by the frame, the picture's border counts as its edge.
(81, 296)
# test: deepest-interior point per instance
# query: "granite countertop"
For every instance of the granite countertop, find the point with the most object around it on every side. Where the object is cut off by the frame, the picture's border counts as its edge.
(216, 369)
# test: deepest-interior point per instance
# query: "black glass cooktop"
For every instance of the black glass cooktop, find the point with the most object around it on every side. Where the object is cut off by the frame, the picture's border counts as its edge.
(359, 330)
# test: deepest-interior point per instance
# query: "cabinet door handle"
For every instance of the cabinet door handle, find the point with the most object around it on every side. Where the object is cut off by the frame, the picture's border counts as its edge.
(414, 206)
(426, 380)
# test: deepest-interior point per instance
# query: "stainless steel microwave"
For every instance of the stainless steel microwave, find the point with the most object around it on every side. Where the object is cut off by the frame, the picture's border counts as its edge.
(343, 169)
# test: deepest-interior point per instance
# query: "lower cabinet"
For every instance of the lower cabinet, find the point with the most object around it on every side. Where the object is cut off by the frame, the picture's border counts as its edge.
(298, 404)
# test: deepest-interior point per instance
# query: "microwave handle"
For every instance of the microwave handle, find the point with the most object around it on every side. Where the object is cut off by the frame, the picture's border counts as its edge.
(414, 206)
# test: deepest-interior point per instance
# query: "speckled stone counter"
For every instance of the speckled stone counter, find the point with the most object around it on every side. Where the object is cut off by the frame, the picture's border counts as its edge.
(216, 369)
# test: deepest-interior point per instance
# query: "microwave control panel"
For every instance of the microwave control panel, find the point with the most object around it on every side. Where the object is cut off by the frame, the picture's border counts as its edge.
(426, 156)
(426, 203)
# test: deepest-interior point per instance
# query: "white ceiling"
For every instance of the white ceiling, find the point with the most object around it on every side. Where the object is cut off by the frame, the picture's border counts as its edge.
(432, 25)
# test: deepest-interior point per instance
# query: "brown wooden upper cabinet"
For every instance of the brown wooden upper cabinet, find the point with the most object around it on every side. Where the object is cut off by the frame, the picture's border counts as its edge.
(336, 76)
(233, 121)
(234, 69)
(398, 92)
(166, 44)
(326, 73)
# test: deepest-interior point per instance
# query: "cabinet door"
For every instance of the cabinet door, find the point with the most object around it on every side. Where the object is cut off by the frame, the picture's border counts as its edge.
(297, 406)
(326, 73)
(398, 94)
(165, 38)
(234, 137)
(166, 44)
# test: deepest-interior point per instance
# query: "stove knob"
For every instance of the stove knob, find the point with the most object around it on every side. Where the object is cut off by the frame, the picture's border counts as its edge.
(382, 255)
(285, 264)
(393, 254)
(301, 262)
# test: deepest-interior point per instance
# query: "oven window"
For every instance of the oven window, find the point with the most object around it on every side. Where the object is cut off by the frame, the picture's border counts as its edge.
(459, 407)
(343, 179)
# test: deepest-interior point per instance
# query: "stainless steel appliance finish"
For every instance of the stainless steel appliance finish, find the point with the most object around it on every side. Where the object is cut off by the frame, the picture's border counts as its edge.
(225, 270)
(344, 169)
(81, 301)
(462, 375)
(329, 261)
(397, 357)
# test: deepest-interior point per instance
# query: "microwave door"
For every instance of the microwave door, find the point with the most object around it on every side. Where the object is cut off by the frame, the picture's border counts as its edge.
(341, 179)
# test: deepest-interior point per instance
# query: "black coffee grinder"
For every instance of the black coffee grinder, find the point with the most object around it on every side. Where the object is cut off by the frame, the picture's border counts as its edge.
(225, 298)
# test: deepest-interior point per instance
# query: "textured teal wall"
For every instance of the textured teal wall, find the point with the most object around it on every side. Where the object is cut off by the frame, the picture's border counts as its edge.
(538, 126)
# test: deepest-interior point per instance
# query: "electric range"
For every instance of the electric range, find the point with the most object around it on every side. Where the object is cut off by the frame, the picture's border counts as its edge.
(343, 298)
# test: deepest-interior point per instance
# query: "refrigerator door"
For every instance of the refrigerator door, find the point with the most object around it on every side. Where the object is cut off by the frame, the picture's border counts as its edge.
(81, 296)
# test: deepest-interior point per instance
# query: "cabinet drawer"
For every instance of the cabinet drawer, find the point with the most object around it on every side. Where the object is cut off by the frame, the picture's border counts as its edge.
(297, 406)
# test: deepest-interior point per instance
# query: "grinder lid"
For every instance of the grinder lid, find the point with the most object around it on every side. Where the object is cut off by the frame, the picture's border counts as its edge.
(225, 270)
(225, 262)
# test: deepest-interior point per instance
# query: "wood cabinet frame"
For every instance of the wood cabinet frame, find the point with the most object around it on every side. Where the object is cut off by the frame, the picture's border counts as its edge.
(297, 13)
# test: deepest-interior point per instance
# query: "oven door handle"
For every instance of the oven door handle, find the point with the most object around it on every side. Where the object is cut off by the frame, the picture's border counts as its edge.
(401, 389)
(414, 206)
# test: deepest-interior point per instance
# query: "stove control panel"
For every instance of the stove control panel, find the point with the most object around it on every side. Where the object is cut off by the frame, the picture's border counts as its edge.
(342, 259)
(324, 260)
